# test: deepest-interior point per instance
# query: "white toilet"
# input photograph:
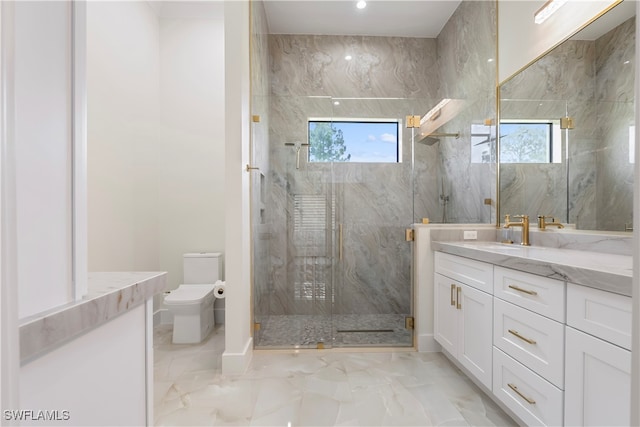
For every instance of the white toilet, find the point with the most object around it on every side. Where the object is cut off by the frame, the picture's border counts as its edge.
(192, 303)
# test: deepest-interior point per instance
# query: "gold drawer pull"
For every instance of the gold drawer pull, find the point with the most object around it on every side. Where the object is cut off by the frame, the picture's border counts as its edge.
(514, 287)
(530, 341)
(459, 305)
(453, 298)
(528, 399)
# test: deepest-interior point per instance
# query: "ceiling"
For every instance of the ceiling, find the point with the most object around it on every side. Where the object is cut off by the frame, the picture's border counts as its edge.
(608, 21)
(395, 18)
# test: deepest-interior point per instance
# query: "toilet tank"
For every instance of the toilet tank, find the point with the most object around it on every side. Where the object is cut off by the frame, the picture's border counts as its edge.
(203, 267)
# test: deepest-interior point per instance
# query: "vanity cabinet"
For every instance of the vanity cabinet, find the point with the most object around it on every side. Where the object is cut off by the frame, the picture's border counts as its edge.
(464, 313)
(554, 353)
(598, 357)
(528, 338)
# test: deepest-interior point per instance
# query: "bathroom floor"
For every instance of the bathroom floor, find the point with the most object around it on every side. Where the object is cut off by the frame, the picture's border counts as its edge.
(313, 388)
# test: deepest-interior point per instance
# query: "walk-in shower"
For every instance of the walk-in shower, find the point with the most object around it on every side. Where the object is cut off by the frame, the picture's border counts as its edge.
(333, 266)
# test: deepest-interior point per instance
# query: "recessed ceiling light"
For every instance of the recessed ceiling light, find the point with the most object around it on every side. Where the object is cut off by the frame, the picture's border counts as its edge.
(490, 60)
(336, 102)
(348, 57)
(361, 4)
(626, 62)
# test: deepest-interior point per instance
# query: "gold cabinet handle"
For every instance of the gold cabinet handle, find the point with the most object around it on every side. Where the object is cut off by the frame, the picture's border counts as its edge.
(459, 304)
(528, 399)
(528, 340)
(526, 291)
(453, 298)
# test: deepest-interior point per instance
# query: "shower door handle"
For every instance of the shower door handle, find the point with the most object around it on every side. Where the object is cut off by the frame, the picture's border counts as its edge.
(340, 242)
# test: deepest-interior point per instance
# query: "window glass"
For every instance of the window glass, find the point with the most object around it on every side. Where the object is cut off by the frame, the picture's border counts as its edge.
(527, 142)
(354, 141)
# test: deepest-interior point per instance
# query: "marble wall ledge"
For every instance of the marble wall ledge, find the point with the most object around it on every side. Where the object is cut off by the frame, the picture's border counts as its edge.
(109, 295)
(609, 272)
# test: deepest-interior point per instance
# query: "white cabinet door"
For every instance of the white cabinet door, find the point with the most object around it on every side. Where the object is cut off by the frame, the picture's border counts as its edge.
(475, 332)
(463, 325)
(446, 315)
(597, 381)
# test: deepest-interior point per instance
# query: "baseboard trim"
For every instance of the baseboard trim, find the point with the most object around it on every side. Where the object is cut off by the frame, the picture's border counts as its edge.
(428, 344)
(237, 363)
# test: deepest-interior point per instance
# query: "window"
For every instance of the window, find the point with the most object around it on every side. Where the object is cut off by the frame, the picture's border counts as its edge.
(364, 141)
(530, 142)
(483, 143)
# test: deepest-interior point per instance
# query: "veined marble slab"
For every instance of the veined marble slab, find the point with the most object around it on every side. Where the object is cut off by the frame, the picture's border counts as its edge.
(109, 295)
(609, 272)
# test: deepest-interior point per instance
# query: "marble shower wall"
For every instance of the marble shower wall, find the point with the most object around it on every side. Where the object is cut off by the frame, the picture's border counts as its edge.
(373, 202)
(466, 57)
(615, 115)
(588, 80)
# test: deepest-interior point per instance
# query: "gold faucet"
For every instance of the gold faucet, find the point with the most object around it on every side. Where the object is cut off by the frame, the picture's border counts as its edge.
(542, 224)
(524, 224)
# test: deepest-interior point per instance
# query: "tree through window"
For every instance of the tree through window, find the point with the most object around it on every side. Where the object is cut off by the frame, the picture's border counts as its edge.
(354, 141)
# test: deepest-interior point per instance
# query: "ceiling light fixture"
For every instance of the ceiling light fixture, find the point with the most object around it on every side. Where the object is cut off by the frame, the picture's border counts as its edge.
(547, 10)
(348, 57)
(361, 4)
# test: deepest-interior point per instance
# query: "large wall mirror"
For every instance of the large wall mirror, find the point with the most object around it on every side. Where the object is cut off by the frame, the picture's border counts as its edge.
(567, 129)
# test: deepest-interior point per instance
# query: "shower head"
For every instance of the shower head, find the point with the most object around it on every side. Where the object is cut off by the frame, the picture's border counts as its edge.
(432, 138)
(429, 140)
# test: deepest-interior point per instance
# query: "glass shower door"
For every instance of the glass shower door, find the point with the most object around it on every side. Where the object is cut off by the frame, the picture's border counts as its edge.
(339, 268)
(374, 205)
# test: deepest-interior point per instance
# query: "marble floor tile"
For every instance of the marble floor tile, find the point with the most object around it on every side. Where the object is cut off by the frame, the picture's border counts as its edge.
(313, 388)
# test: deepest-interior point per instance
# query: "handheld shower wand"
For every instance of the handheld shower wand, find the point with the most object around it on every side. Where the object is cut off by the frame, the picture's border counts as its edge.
(298, 146)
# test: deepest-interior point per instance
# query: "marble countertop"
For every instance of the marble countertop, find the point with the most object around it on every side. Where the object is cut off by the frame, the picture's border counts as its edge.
(109, 295)
(609, 272)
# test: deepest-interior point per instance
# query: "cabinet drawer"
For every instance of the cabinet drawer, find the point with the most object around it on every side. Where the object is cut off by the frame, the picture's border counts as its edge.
(603, 314)
(468, 271)
(536, 293)
(535, 341)
(533, 399)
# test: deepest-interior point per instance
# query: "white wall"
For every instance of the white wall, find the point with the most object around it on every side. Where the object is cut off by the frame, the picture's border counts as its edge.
(521, 41)
(156, 134)
(191, 139)
(123, 51)
(43, 136)
(238, 340)
(9, 340)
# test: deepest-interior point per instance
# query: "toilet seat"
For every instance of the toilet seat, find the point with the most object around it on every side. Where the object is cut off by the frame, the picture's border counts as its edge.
(189, 294)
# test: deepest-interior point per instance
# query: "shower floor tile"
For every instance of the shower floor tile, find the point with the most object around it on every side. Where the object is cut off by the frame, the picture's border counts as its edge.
(313, 388)
(350, 330)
